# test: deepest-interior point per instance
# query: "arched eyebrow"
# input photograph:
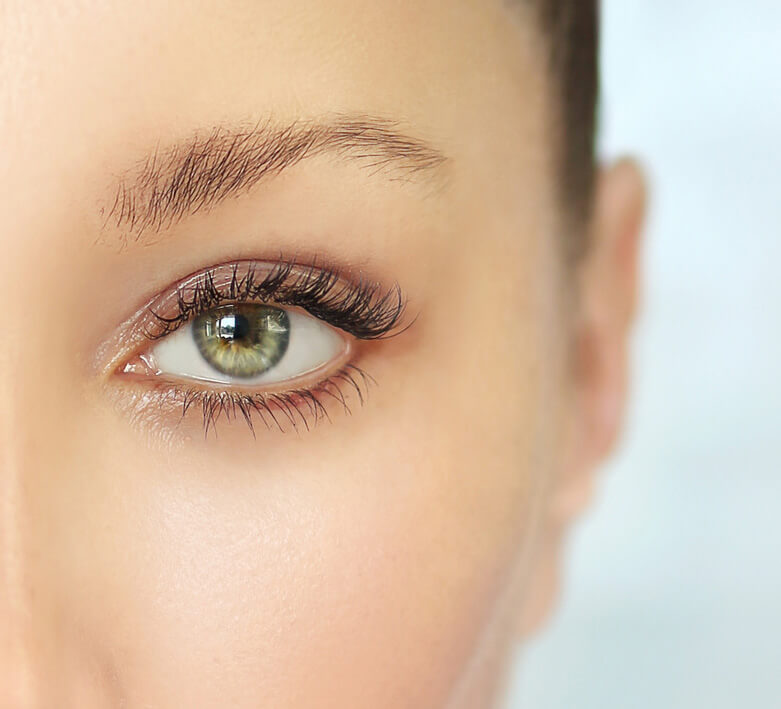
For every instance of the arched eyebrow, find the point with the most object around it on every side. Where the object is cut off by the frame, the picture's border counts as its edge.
(184, 178)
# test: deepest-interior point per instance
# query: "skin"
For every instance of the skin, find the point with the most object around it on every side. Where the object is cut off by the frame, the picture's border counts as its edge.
(393, 557)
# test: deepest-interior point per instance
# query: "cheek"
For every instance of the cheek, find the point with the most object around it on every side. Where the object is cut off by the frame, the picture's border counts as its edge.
(359, 562)
(355, 577)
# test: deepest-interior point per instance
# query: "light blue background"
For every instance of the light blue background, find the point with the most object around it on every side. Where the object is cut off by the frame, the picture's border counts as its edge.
(673, 596)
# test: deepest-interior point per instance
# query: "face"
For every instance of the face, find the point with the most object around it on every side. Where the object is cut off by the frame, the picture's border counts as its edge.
(295, 387)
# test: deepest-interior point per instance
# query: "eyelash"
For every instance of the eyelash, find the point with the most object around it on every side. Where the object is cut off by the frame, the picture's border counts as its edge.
(306, 403)
(363, 309)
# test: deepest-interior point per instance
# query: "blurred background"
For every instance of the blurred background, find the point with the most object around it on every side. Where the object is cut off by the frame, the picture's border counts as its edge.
(673, 582)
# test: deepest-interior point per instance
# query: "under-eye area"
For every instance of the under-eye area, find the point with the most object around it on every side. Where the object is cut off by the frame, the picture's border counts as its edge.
(274, 344)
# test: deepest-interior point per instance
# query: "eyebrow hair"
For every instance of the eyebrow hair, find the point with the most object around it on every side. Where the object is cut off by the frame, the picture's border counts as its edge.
(194, 175)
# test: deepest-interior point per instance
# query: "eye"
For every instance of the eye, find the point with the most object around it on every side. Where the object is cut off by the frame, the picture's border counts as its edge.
(248, 344)
(277, 343)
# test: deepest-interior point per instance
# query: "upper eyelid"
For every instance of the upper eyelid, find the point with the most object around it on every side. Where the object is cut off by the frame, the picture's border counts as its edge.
(362, 308)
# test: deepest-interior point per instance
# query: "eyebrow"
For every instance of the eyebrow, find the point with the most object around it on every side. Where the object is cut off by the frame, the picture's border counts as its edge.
(192, 176)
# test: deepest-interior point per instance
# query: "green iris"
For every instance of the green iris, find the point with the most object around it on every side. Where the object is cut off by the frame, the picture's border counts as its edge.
(242, 340)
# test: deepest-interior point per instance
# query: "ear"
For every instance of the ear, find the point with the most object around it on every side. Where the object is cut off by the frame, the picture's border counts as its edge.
(607, 304)
(607, 300)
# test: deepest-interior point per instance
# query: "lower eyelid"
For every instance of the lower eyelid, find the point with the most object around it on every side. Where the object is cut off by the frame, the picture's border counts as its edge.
(293, 409)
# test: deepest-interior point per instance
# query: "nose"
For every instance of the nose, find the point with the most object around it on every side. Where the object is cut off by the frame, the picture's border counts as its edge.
(17, 684)
(49, 657)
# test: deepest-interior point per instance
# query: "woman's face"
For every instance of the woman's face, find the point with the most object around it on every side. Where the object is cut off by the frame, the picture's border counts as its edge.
(159, 553)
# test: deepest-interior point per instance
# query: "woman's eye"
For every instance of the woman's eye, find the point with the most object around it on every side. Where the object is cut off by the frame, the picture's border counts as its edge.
(273, 342)
(248, 344)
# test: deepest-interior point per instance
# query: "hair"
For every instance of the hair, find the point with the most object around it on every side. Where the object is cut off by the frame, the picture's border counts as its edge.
(571, 29)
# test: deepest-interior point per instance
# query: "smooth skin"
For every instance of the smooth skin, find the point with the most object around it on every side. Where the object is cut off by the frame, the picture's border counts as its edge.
(393, 557)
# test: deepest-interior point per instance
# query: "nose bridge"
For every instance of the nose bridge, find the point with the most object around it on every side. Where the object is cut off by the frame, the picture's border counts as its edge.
(30, 641)
(29, 633)
(16, 598)
(50, 653)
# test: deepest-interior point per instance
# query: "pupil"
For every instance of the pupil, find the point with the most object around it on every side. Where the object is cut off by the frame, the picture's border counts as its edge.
(233, 327)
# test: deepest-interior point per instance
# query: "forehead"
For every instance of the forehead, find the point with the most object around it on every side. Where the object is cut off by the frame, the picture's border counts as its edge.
(104, 60)
(198, 39)
(91, 86)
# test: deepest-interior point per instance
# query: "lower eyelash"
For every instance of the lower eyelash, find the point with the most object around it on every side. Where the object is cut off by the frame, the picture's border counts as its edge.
(285, 410)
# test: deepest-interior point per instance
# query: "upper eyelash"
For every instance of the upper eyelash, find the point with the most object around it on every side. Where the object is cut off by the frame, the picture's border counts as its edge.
(362, 309)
